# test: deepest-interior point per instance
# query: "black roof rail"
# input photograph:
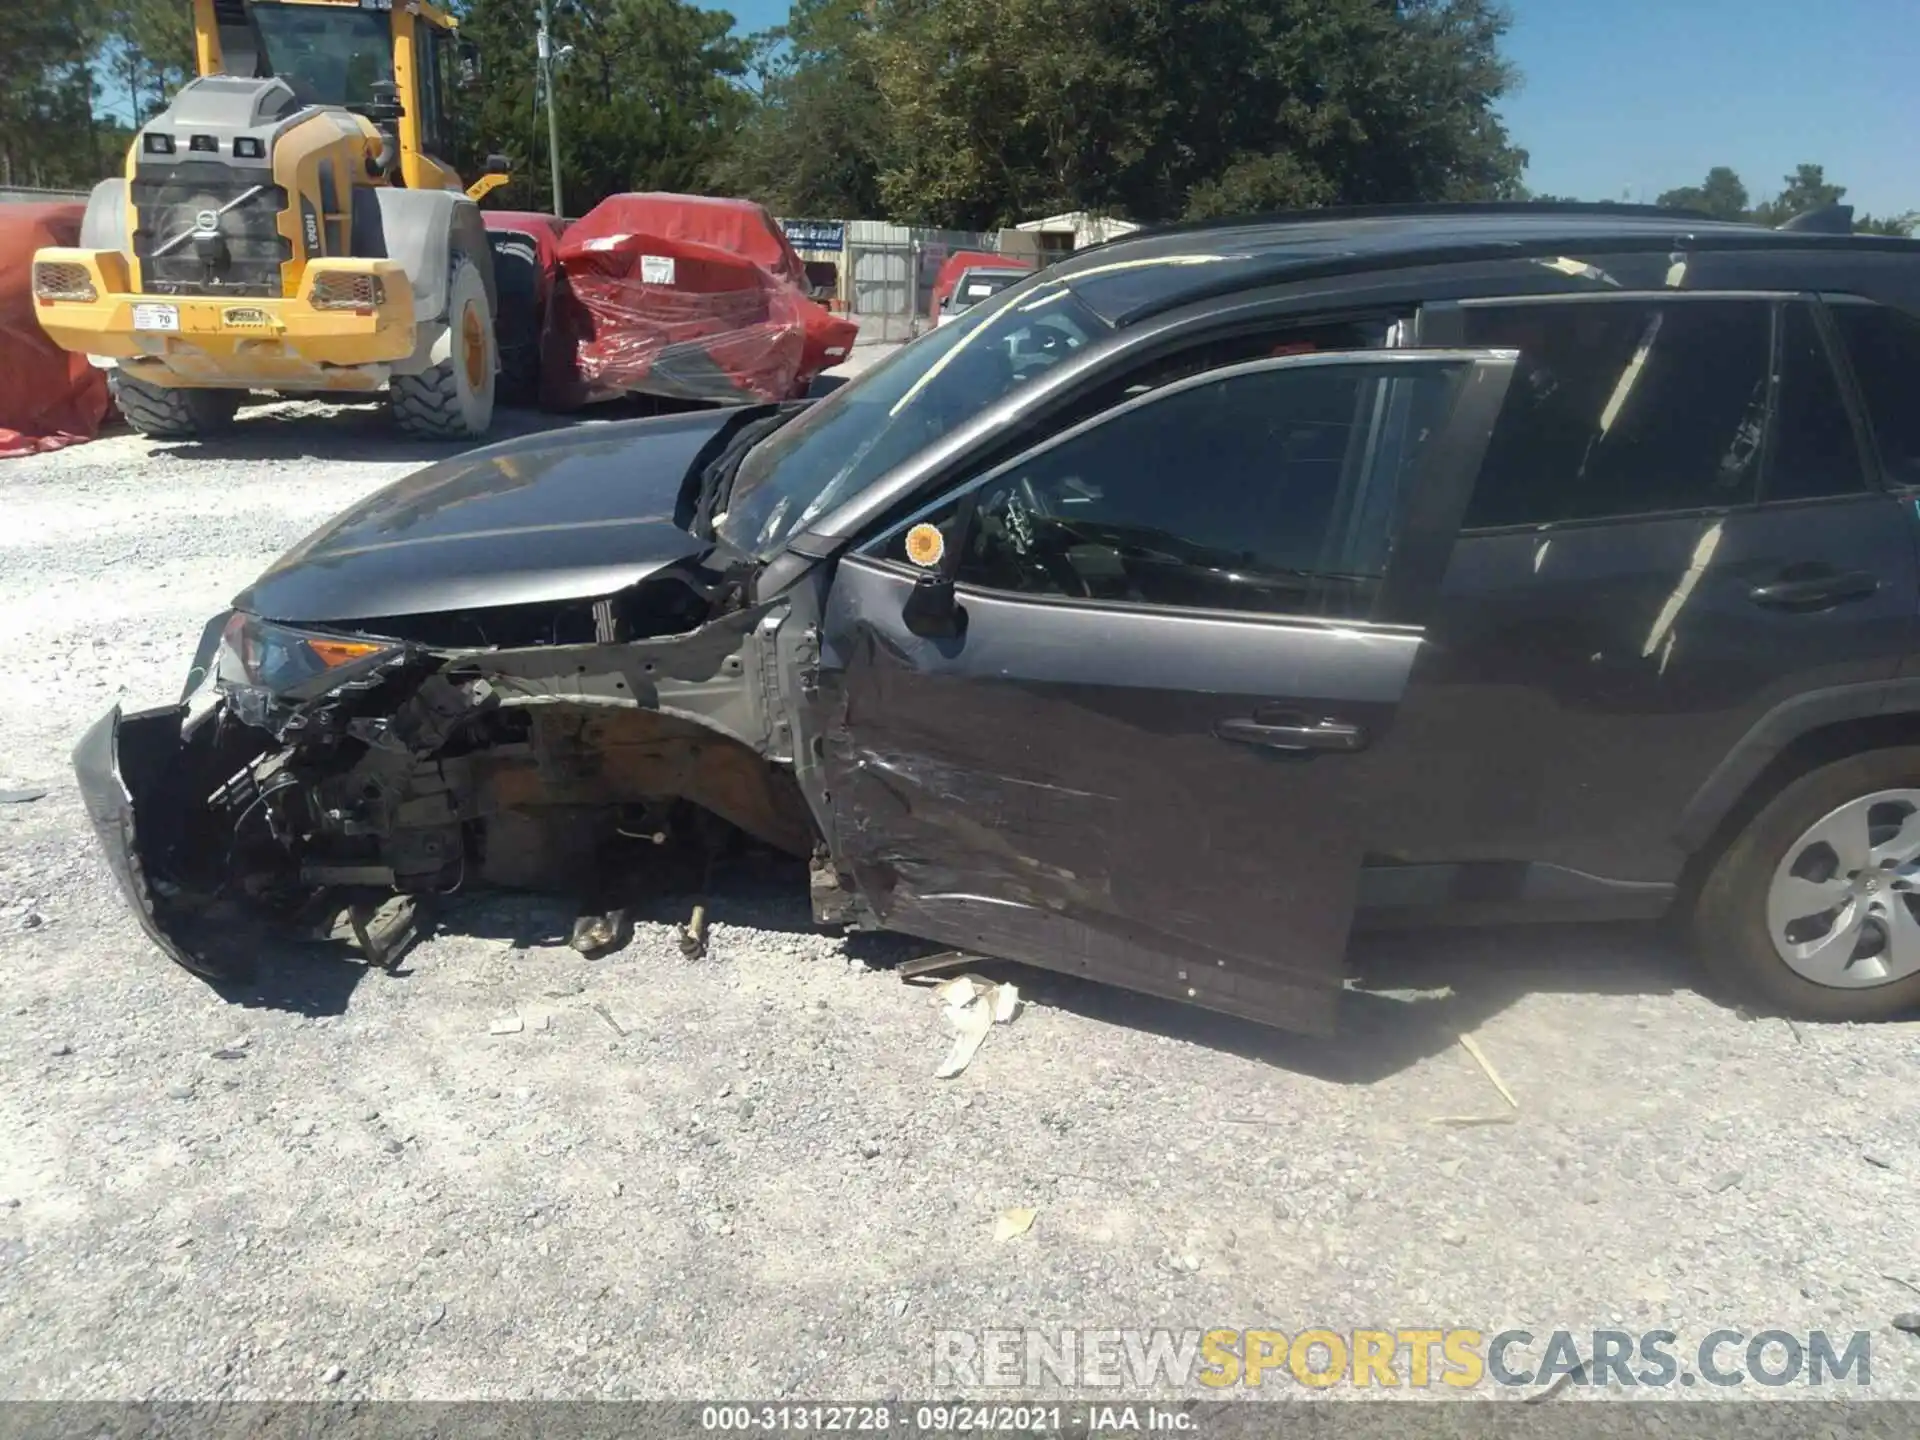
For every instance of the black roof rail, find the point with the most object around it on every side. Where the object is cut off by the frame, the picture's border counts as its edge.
(1383, 212)
(1826, 220)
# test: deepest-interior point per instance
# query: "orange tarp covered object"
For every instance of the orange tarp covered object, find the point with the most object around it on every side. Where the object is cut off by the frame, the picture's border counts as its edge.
(48, 397)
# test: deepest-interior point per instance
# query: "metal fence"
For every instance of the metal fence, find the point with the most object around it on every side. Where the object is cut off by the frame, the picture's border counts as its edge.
(27, 192)
(891, 270)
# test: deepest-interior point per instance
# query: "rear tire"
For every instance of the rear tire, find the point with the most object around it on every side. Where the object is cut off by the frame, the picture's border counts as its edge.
(1780, 846)
(166, 413)
(454, 399)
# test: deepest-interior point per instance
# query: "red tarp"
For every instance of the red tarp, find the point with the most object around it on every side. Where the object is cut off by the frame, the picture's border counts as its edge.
(687, 297)
(961, 261)
(48, 397)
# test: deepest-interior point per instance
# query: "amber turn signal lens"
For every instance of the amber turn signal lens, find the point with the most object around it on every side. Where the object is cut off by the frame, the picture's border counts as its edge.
(335, 653)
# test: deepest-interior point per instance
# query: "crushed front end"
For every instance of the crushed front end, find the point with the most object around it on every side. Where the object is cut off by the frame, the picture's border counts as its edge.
(316, 783)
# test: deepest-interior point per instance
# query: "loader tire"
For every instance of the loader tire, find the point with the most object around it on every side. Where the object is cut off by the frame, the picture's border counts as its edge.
(172, 414)
(516, 320)
(454, 399)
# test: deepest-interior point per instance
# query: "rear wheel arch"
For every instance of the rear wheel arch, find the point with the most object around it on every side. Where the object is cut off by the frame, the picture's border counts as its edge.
(1832, 725)
(1806, 970)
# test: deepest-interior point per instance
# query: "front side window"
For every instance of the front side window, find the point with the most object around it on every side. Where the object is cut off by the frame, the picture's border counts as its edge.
(439, 71)
(1272, 490)
(1624, 408)
(921, 393)
(329, 54)
(1884, 346)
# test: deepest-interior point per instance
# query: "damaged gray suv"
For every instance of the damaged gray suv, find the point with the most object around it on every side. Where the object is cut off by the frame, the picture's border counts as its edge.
(1151, 622)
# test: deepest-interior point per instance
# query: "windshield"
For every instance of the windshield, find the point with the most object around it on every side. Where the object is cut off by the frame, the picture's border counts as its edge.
(978, 285)
(904, 404)
(328, 54)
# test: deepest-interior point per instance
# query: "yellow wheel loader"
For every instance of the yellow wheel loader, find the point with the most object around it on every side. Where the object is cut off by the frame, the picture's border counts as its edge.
(286, 225)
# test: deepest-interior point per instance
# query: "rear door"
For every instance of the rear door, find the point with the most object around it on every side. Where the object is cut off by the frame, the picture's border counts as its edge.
(1674, 535)
(1182, 629)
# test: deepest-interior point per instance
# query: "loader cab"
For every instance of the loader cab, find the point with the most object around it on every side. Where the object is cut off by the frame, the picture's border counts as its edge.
(346, 55)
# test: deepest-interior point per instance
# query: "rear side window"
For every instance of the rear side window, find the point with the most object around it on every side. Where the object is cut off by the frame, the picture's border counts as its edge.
(1628, 408)
(1273, 491)
(1884, 346)
(1814, 451)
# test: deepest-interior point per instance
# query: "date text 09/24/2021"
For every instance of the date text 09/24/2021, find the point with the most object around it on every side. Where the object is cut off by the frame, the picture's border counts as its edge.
(942, 1419)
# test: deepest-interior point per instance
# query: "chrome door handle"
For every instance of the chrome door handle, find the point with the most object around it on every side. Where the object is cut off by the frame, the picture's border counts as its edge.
(1816, 592)
(1305, 736)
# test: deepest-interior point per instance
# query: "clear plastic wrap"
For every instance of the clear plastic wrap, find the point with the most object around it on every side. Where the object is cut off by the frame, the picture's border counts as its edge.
(687, 298)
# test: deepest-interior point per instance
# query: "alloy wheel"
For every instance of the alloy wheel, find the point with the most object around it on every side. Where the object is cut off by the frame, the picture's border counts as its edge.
(1841, 905)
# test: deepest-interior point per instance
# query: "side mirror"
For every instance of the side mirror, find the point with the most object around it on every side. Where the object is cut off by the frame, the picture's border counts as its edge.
(471, 70)
(932, 611)
(497, 164)
(383, 107)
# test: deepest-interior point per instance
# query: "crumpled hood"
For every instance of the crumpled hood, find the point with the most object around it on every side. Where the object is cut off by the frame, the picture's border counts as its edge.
(565, 515)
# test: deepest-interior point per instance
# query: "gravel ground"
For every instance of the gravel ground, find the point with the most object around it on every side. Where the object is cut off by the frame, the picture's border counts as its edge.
(737, 1176)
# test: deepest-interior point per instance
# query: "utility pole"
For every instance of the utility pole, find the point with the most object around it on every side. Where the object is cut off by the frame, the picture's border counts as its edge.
(553, 113)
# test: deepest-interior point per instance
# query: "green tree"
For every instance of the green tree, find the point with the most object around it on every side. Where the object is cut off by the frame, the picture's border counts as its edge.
(1806, 189)
(1898, 225)
(648, 98)
(1721, 195)
(815, 141)
(977, 112)
(48, 137)
(148, 49)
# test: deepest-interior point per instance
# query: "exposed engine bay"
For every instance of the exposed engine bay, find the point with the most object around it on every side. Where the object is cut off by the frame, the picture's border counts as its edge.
(530, 667)
(414, 769)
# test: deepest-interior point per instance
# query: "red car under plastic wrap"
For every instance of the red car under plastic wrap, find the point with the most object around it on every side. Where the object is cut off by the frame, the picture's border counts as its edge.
(685, 297)
(960, 262)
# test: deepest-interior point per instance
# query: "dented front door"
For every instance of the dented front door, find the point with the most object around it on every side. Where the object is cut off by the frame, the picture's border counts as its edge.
(1145, 758)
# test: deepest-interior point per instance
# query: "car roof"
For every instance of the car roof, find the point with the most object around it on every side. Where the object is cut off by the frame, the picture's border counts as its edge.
(1147, 271)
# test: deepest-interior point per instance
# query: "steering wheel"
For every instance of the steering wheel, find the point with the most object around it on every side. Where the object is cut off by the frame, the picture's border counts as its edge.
(1038, 536)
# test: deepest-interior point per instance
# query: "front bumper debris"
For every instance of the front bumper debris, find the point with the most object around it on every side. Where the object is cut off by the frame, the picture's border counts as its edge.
(149, 739)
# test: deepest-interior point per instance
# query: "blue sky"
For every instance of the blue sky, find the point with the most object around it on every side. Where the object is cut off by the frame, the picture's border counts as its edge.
(1627, 98)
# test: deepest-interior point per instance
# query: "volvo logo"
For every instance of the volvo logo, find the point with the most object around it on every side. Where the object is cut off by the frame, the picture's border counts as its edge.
(207, 221)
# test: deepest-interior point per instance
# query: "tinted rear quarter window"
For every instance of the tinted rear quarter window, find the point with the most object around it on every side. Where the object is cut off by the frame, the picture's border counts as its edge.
(1884, 347)
(1815, 453)
(1624, 408)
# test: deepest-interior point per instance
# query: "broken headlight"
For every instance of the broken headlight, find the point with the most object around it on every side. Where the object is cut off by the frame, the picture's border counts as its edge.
(277, 660)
